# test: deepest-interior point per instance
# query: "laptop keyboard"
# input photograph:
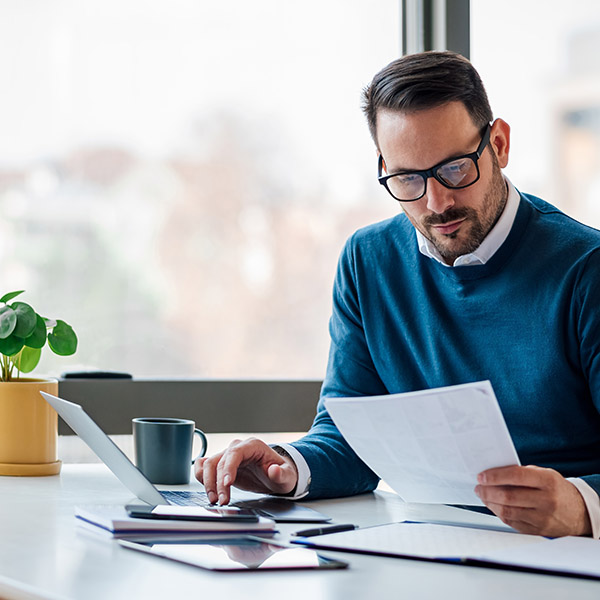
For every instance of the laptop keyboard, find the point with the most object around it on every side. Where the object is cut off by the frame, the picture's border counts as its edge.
(280, 509)
(186, 498)
(189, 498)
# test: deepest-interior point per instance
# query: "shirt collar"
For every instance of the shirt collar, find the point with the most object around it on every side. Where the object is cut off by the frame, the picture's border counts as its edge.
(492, 241)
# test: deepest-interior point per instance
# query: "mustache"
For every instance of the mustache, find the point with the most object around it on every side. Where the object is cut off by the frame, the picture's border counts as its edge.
(453, 214)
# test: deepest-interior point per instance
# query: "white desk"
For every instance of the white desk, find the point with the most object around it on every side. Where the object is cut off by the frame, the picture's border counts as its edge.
(43, 554)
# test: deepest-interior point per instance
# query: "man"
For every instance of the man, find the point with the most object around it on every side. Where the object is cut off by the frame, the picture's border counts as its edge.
(473, 281)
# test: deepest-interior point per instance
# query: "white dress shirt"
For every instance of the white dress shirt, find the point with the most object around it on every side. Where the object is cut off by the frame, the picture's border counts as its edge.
(492, 242)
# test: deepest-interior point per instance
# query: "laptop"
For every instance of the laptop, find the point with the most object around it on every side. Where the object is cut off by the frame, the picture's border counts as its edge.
(281, 510)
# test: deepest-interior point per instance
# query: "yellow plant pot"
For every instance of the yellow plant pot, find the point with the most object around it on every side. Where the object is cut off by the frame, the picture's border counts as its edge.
(28, 428)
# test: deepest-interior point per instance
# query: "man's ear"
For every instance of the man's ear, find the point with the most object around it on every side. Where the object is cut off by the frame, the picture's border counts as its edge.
(500, 141)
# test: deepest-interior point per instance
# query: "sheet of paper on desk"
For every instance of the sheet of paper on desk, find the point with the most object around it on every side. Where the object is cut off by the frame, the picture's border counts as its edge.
(422, 540)
(576, 555)
(428, 446)
(568, 555)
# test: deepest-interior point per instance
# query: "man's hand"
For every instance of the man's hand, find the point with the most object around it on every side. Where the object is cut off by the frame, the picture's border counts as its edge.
(249, 465)
(534, 500)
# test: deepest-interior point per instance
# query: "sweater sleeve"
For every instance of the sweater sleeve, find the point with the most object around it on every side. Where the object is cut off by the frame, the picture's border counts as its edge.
(335, 469)
(588, 331)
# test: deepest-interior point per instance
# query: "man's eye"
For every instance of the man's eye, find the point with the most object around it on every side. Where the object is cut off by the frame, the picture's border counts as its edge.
(458, 172)
(407, 178)
(457, 166)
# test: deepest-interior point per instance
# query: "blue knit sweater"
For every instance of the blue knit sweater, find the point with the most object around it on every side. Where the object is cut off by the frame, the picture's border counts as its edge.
(528, 320)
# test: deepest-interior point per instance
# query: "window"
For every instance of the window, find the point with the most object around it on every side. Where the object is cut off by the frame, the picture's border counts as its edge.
(540, 62)
(177, 177)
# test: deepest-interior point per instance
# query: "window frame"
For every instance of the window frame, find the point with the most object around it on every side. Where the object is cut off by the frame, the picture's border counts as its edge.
(257, 406)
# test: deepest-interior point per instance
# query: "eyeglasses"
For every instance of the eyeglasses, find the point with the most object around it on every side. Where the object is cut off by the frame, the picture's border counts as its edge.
(455, 173)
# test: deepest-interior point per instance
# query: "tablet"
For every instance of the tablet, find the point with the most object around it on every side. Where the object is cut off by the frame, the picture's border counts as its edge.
(235, 554)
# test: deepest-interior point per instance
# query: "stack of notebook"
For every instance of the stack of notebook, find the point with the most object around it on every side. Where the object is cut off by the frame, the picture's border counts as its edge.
(116, 521)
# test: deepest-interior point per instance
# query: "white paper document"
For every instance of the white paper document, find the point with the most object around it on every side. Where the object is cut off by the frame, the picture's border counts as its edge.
(576, 555)
(567, 555)
(428, 446)
(424, 540)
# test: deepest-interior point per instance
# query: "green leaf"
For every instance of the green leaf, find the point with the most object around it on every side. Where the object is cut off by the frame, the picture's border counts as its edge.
(50, 323)
(29, 359)
(62, 339)
(26, 319)
(8, 321)
(11, 345)
(38, 338)
(10, 296)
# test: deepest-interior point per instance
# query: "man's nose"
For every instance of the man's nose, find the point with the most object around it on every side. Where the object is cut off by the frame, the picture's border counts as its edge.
(439, 198)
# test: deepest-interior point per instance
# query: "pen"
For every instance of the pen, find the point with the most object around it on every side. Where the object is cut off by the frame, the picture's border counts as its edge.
(324, 530)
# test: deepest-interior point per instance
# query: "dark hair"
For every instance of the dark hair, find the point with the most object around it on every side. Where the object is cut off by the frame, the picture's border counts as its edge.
(426, 80)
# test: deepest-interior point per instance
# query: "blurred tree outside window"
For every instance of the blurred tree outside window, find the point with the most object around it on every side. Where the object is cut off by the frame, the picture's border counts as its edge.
(177, 178)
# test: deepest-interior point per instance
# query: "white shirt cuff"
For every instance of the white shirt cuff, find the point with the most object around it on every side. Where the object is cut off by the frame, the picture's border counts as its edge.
(303, 471)
(592, 503)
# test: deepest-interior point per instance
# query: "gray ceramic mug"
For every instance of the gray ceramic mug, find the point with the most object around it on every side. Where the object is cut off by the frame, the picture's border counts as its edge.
(163, 448)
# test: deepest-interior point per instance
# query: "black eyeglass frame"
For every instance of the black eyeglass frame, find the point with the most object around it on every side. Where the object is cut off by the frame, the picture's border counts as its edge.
(426, 174)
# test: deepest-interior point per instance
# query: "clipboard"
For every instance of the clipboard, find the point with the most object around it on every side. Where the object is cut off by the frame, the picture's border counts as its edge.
(568, 556)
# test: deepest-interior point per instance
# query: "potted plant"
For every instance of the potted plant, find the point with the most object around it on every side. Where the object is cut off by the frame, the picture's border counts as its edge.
(28, 424)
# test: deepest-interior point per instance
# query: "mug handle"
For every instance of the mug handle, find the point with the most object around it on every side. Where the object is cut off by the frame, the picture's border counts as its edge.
(204, 444)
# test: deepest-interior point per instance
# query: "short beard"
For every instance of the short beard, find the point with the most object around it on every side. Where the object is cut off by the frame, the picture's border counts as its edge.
(481, 222)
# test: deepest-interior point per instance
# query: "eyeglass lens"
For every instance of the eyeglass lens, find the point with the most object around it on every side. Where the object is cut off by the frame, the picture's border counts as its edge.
(454, 174)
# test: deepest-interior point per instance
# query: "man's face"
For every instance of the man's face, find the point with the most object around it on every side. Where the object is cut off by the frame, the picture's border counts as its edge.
(455, 221)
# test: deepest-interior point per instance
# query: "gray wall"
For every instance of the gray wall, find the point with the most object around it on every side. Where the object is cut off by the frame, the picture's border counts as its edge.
(216, 406)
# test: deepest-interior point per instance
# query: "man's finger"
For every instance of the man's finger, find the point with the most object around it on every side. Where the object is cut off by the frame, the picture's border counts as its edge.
(529, 476)
(508, 495)
(199, 469)
(227, 472)
(284, 476)
(209, 475)
(523, 526)
(515, 514)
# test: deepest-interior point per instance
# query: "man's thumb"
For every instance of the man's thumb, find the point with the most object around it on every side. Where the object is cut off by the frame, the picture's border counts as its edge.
(283, 476)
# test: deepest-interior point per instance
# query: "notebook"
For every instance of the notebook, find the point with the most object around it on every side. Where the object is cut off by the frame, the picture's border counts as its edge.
(280, 510)
(115, 520)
